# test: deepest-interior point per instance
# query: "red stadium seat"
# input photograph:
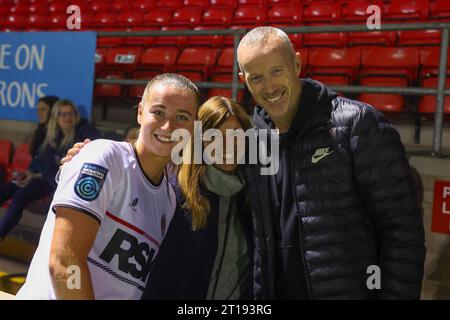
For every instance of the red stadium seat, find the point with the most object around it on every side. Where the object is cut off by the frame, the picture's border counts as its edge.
(384, 102)
(59, 7)
(440, 9)
(324, 39)
(109, 90)
(343, 63)
(21, 160)
(402, 10)
(118, 6)
(179, 41)
(332, 80)
(5, 155)
(419, 37)
(187, 17)
(130, 19)
(213, 40)
(321, 12)
(429, 62)
(158, 17)
(254, 15)
(284, 13)
(278, 2)
(223, 4)
(192, 75)
(100, 58)
(174, 4)
(252, 2)
(122, 58)
(161, 59)
(137, 90)
(38, 8)
(99, 6)
(296, 38)
(144, 41)
(225, 61)
(196, 3)
(356, 11)
(14, 22)
(56, 22)
(144, 6)
(19, 8)
(104, 20)
(401, 62)
(217, 16)
(428, 103)
(229, 40)
(198, 59)
(36, 21)
(371, 38)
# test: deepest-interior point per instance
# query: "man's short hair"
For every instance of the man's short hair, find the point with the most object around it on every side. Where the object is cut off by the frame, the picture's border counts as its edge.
(262, 35)
(172, 79)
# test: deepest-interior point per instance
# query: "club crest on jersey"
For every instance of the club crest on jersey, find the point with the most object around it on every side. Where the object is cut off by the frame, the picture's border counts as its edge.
(90, 181)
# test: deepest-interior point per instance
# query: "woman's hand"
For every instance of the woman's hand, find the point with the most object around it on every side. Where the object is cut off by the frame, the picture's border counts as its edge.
(26, 178)
(74, 151)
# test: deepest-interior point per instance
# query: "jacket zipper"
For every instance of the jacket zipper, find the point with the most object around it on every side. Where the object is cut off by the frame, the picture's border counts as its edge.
(298, 212)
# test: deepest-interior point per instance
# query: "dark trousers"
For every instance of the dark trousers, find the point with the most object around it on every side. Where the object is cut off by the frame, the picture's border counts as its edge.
(21, 198)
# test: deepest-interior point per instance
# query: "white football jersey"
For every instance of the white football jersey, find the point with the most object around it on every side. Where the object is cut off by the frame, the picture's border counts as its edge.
(106, 182)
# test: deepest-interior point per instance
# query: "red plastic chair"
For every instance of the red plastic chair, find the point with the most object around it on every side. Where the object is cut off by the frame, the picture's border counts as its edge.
(196, 3)
(217, 16)
(339, 63)
(321, 12)
(122, 58)
(187, 17)
(158, 17)
(324, 39)
(402, 10)
(254, 15)
(174, 4)
(225, 61)
(144, 6)
(109, 90)
(384, 102)
(36, 22)
(440, 9)
(419, 38)
(59, 7)
(56, 22)
(252, 2)
(223, 4)
(371, 38)
(192, 75)
(401, 62)
(100, 58)
(99, 6)
(284, 13)
(213, 40)
(198, 59)
(356, 11)
(19, 8)
(130, 19)
(429, 62)
(428, 103)
(118, 6)
(179, 41)
(38, 8)
(161, 59)
(14, 22)
(5, 155)
(21, 160)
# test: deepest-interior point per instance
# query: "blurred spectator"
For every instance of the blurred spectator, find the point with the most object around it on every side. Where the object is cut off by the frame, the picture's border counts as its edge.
(63, 129)
(131, 133)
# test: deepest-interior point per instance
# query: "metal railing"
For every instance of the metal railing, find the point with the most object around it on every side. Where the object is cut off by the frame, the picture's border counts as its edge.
(440, 92)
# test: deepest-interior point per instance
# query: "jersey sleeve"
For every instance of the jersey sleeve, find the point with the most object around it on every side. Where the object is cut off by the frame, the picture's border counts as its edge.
(88, 182)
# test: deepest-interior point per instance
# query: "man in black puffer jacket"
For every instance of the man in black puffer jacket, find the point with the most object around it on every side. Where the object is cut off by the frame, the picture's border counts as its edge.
(343, 202)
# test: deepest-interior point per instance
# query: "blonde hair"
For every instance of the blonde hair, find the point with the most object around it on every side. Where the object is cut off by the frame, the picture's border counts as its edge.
(53, 130)
(212, 114)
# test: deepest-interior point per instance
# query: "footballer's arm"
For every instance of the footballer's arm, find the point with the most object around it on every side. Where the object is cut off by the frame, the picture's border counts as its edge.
(73, 238)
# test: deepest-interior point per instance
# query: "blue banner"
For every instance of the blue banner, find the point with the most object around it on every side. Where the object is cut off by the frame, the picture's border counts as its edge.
(36, 64)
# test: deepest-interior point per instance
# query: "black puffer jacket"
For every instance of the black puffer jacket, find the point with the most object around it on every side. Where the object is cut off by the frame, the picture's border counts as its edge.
(356, 206)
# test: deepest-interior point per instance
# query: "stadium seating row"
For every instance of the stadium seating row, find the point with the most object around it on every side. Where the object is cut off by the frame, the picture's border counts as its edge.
(103, 14)
(19, 162)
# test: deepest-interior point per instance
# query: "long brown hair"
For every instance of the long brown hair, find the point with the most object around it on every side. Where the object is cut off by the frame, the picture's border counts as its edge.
(212, 114)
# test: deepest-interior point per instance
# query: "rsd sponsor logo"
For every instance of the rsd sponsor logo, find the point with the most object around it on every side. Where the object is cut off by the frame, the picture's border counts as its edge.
(90, 181)
(125, 246)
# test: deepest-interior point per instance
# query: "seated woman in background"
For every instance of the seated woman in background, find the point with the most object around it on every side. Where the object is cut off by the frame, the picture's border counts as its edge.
(62, 131)
(26, 187)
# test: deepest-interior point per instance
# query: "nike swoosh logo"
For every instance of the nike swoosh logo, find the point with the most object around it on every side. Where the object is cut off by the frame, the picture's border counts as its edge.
(316, 158)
